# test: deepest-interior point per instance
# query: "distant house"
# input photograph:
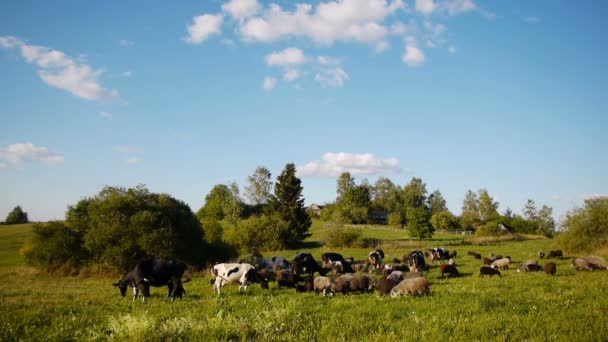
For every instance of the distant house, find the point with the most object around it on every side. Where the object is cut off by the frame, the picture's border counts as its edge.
(505, 229)
(379, 216)
(316, 209)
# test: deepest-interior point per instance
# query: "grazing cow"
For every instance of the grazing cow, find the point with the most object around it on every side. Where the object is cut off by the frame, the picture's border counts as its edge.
(275, 263)
(533, 268)
(449, 269)
(485, 270)
(416, 261)
(245, 274)
(329, 260)
(375, 259)
(550, 268)
(438, 254)
(305, 263)
(474, 255)
(555, 254)
(154, 272)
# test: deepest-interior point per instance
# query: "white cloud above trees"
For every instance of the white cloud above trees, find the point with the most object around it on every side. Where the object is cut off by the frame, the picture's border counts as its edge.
(23, 152)
(334, 164)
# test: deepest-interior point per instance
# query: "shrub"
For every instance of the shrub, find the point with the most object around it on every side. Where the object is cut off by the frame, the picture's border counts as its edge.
(340, 236)
(16, 216)
(268, 232)
(444, 220)
(395, 219)
(54, 246)
(586, 227)
(488, 229)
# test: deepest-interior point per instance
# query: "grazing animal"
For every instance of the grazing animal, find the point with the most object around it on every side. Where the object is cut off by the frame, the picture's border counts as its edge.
(416, 261)
(525, 264)
(599, 262)
(397, 275)
(487, 261)
(330, 259)
(268, 274)
(386, 284)
(396, 261)
(496, 257)
(305, 263)
(337, 268)
(449, 269)
(286, 278)
(361, 283)
(375, 259)
(245, 274)
(550, 268)
(402, 268)
(438, 254)
(414, 286)
(342, 283)
(555, 254)
(485, 270)
(501, 263)
(452, 262)
(307, 287)
(474, 255)
(581, 264)
(324, 284)
(154, 272)
(533, 268)
(411, 275)
(275, 263)
(541, 254)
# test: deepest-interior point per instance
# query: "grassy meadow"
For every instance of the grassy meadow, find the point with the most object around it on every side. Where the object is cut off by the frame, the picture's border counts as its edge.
(571, 306)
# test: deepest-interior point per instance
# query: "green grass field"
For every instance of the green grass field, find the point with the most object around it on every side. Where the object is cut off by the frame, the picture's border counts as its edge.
(570, 306)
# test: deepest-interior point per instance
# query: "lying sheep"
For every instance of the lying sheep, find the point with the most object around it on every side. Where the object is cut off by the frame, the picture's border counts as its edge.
(501, 263)
(474, 255)
(449, 269)
(550, 268)
(533, 268)
(599, 262)
(541, 254)
(324, 284)
(415, 286)
(523, 265)
(485, 270)
(385, 285)
(581, 264)
(555, 254)
(342, 283)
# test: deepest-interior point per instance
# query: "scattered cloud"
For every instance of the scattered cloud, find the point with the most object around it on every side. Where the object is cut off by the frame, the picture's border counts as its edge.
(326, 60)
(269, 83)
(125, 43)
(531, 20)
(291, 75)
(413, 56)
(22, 152)
(127, 74)
(288, 57)
(398, 29)
(434, 29)
(60, 71)
(556, 197)
(452, 50)
(382, 46)
(425, 7)
(132, 160)
(106, 115)
(454, 7)
(241, 9)
(203, 27)
(332, 78)
(334, 164)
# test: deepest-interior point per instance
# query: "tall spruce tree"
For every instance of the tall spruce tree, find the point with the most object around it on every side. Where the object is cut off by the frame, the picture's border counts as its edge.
(288, 203)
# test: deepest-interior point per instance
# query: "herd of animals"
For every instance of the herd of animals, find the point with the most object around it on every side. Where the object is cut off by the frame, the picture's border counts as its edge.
(400, 277)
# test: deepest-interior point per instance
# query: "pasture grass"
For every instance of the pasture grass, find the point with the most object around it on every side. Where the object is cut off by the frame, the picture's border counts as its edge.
(571, 306)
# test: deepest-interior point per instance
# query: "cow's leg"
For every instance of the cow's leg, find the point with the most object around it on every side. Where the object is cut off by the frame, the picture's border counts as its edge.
(170, 285)
(135, 291)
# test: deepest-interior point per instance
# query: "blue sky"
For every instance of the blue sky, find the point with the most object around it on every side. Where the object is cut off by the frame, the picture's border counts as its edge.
(503, 95)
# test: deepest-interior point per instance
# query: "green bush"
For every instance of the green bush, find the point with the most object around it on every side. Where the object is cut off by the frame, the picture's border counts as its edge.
(395, 219)
(488, 229)
(586, 227)
(16, 216)
(341, 237)
(268, 232)
(54, 246)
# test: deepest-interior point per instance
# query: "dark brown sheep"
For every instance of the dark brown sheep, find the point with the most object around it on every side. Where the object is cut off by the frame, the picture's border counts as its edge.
(286, 278)
(550, 268)
(533, 268)
(449, 269)
(342, 283)
(360, 283)
(385, 285)
(268, 274)
(485, 270)
(555, 254)
(487, 261)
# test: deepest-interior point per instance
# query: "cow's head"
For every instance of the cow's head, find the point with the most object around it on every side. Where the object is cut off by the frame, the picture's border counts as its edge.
(122, 286)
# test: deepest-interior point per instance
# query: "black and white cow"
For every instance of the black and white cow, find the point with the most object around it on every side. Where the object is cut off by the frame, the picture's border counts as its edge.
(416, 261)
(438, 254)
(154, 272)
(331, 260)
(305, 263)
(375, 259)
(244, 274)
(275, 263)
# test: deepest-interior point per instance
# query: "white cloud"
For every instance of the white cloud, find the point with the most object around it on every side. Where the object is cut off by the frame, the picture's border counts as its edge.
(58, 70)
(326, 60)
(332, 77)
(288, 57)
(291, 75)
(241, 9)
(269, 83)
(531, 20)
(342, 20)
(125, 43)
(413, 56)
(459, 6)
(203, 27)
(425, 6)
(382, 46)
(20, 152)
(132, 160)
(106, 115)
(434, 29)
(398, 29)
(334, 164)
